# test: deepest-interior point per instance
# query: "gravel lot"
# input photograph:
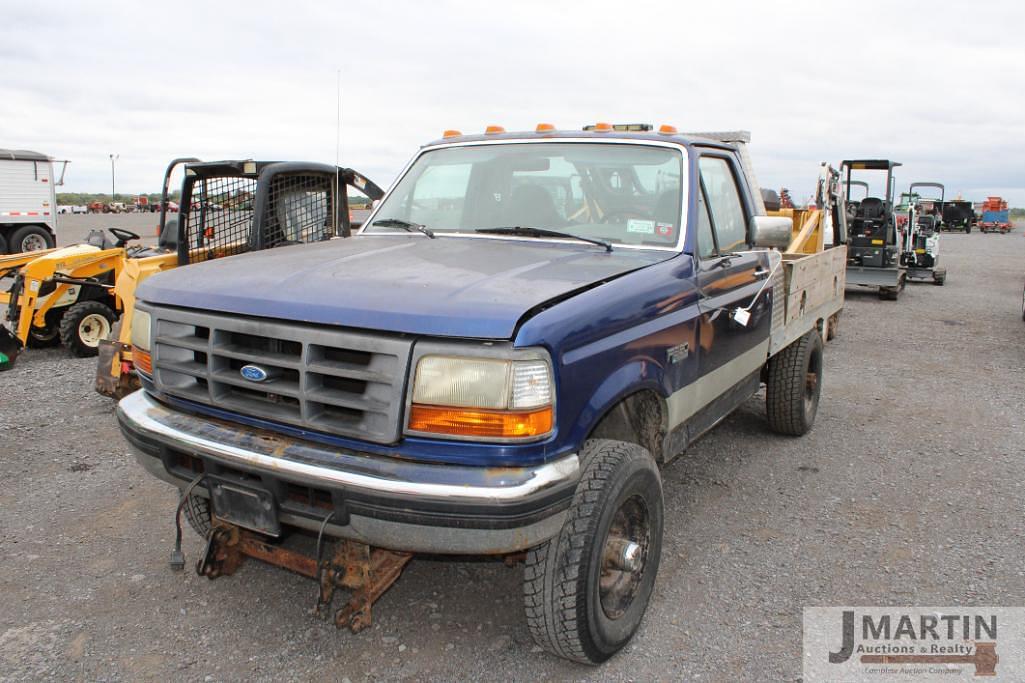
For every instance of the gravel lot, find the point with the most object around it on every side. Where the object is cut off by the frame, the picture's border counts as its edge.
(908, 491)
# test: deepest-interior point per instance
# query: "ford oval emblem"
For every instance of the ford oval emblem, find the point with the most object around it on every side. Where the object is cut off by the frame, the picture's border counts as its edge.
(254, 373)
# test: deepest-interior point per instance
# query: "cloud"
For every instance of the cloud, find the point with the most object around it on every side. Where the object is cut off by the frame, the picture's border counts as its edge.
(922, 84)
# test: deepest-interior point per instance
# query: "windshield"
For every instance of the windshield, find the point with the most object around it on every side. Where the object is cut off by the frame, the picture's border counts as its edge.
(622, 193)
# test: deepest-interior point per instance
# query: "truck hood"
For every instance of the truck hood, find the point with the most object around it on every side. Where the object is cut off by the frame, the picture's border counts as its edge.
(449, 286)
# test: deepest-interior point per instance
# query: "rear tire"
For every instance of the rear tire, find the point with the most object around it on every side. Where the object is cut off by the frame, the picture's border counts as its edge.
(586, 590)
(84, 325)
(31, 238)
(794, 385)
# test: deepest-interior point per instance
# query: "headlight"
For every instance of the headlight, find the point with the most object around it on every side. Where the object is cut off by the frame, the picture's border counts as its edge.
(481, 397)
(141, 329)
(141, 326)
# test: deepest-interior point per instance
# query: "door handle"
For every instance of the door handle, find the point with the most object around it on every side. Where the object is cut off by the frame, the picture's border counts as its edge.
(761, 274)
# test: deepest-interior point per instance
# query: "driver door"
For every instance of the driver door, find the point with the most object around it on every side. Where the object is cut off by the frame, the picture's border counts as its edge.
(729, 274)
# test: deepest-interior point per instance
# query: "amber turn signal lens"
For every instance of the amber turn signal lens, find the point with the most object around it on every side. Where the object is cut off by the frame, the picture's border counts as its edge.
(143, 361)
(481, 423)
(603, 127)
(451, 134)
(666, 129)
(491, 130)
(544, 128)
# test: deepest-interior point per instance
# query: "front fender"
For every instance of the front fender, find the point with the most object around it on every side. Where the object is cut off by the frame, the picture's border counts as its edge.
(641, 374)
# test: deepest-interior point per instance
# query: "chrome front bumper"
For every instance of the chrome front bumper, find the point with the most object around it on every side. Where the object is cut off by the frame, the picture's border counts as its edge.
(385, 501)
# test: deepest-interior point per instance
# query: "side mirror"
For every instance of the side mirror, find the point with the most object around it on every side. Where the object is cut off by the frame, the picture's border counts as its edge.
(772, 232)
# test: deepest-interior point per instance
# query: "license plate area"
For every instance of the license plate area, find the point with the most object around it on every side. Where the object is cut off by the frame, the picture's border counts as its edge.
(247, 506)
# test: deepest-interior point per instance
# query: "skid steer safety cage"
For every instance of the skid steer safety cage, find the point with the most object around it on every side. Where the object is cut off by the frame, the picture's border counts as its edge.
(299, 210)
(230, 207)
(220, 216)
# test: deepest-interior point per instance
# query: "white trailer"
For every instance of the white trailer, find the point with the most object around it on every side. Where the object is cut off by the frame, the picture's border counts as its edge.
(28, 201)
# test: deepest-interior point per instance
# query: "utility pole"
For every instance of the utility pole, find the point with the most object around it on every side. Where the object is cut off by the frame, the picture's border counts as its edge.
(113, 158)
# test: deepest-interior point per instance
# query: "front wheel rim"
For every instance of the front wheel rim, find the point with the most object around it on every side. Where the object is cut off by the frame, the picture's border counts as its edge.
(624, 557)
(33, 243)
(93, 329)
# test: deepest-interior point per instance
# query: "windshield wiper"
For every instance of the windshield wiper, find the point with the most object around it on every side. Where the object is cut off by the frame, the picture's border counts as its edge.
(408, 226)
(542, 232)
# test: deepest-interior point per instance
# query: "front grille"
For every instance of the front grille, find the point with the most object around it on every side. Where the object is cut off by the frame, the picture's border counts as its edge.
(329, 380)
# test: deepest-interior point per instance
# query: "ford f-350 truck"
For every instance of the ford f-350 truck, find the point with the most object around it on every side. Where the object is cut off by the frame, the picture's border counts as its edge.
(525, 330)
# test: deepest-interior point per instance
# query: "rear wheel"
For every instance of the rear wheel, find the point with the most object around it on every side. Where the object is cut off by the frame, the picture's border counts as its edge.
(85, 325)
(793, 386)
(586, 589)
(31, 238)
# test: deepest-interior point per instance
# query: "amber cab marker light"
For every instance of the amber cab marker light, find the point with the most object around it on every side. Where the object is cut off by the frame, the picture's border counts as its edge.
(491, 130)
(544, 128)
(666, 129)
(481, 423)
(143, 361)
(451, 134)
(603, 127)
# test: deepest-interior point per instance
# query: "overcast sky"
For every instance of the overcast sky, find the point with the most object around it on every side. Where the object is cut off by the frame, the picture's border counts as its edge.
(939, 86)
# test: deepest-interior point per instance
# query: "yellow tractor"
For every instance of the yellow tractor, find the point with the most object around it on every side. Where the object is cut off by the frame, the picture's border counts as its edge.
(63, 295)
(83, 295)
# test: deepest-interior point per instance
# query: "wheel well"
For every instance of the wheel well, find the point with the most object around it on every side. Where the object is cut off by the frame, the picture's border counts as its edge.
(639, 418)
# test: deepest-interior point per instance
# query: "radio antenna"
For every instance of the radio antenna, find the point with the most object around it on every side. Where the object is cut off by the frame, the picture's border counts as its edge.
(338, 144)
(338, 115)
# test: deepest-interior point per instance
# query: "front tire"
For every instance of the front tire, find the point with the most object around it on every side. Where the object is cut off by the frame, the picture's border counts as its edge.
(46, 337)
(794, 386)
(586, 590)
(85, 325)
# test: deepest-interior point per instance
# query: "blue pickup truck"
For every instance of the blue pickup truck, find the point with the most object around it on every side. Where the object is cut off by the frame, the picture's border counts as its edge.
(524, 331)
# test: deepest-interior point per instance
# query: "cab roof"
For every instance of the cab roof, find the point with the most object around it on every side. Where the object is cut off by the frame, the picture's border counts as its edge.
(870, 164)
(686, 139)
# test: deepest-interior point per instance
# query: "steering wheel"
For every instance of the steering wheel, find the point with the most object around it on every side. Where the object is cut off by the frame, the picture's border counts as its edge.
(123, 236)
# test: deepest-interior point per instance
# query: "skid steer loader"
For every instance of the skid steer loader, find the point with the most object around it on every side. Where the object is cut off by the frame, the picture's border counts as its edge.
(228, 208)
(77, 294)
